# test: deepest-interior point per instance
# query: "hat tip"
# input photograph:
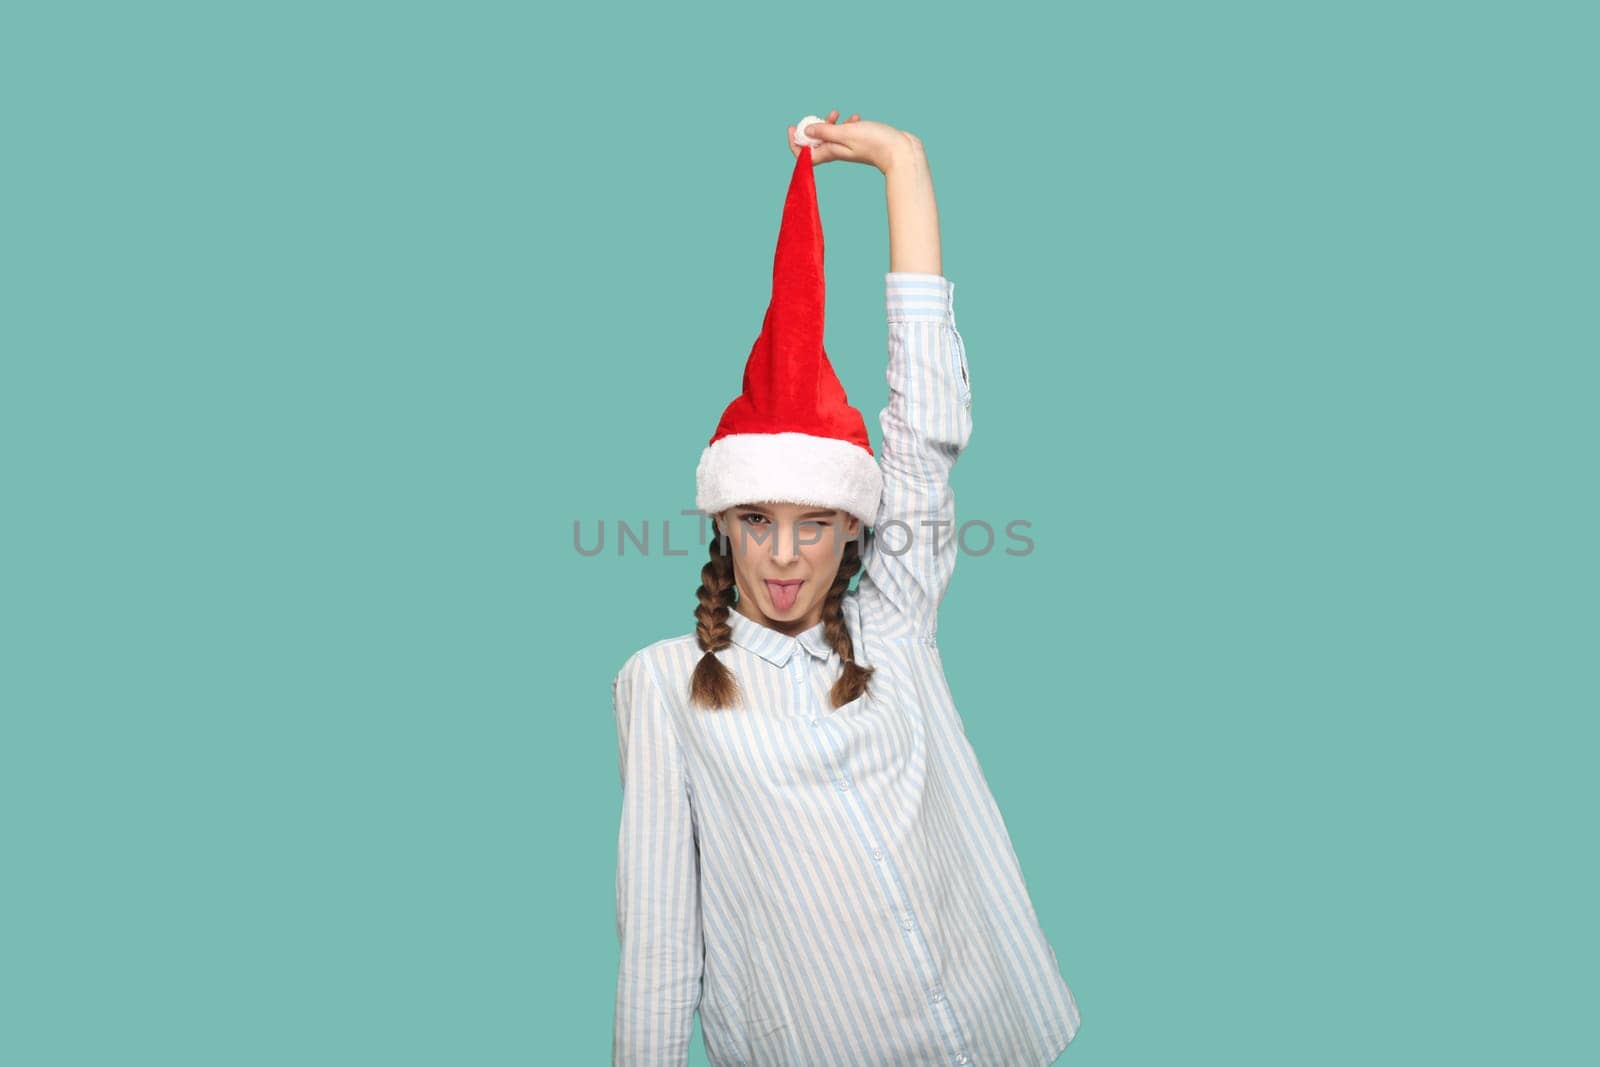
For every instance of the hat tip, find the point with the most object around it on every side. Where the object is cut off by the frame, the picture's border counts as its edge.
(800, 137)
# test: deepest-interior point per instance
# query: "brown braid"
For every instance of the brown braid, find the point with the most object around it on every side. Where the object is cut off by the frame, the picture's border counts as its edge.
(852, 681)
(713, 685)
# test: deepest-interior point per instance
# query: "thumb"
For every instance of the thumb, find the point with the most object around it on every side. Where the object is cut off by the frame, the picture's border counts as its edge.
(823, 130)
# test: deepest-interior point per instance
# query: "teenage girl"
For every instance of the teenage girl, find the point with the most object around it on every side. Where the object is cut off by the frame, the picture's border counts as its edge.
(809, 854)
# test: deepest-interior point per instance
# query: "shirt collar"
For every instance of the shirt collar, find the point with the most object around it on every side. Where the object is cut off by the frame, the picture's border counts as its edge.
(775, 647)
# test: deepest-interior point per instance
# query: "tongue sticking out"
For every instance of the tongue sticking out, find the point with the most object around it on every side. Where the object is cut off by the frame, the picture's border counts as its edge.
(783, 595)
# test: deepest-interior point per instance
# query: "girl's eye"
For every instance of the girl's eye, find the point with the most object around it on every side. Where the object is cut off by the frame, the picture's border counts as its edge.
(751, 518)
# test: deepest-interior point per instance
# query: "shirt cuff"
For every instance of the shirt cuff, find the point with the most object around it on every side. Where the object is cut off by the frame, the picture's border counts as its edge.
(913, 297)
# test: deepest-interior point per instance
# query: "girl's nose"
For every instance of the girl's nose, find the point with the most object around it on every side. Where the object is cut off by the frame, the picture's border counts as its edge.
(787, 542)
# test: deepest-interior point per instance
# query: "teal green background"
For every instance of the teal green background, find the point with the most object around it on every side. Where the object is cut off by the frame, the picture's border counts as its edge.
(324, 323)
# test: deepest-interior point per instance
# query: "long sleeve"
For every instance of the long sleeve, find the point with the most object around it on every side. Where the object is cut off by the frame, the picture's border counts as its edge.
(909, 559)
(658, 881)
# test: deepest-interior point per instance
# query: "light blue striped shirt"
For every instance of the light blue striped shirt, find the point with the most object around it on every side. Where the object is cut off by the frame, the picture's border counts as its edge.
(833, 886)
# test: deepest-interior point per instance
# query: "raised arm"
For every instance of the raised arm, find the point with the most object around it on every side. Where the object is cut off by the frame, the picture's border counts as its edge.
(658, 881)
(913, 211)
(926, 425)
(912, 553)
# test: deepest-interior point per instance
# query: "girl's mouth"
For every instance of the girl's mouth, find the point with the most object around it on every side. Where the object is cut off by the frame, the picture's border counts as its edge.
(784, 593)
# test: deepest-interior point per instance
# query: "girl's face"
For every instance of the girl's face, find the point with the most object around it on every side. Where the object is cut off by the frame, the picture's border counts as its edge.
(785, 558)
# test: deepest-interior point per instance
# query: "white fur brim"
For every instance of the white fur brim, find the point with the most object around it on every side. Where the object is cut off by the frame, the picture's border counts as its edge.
(797, 468)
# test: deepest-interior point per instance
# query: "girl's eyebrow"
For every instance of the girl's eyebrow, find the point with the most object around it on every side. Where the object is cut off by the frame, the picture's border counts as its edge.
(804, 515)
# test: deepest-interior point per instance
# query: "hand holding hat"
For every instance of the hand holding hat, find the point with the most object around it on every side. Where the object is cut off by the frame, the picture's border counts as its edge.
(855, 140)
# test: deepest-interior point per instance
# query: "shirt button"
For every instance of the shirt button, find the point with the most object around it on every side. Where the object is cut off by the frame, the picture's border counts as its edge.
(844, 783)
(937, 996)
(813, 721)
(877, 853)
(962, 1058)
(908, 923)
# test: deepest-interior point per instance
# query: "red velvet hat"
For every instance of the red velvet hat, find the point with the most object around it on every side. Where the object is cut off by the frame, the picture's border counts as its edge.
(791, 434)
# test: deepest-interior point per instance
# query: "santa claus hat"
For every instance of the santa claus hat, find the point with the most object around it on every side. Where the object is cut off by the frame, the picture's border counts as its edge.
(791, 434)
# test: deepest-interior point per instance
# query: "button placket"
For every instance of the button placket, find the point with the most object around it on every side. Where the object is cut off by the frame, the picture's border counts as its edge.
(942, 1010)
(936, 992)
(797, 675)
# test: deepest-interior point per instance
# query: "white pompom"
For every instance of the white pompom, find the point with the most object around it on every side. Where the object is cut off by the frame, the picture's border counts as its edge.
(800, 131)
